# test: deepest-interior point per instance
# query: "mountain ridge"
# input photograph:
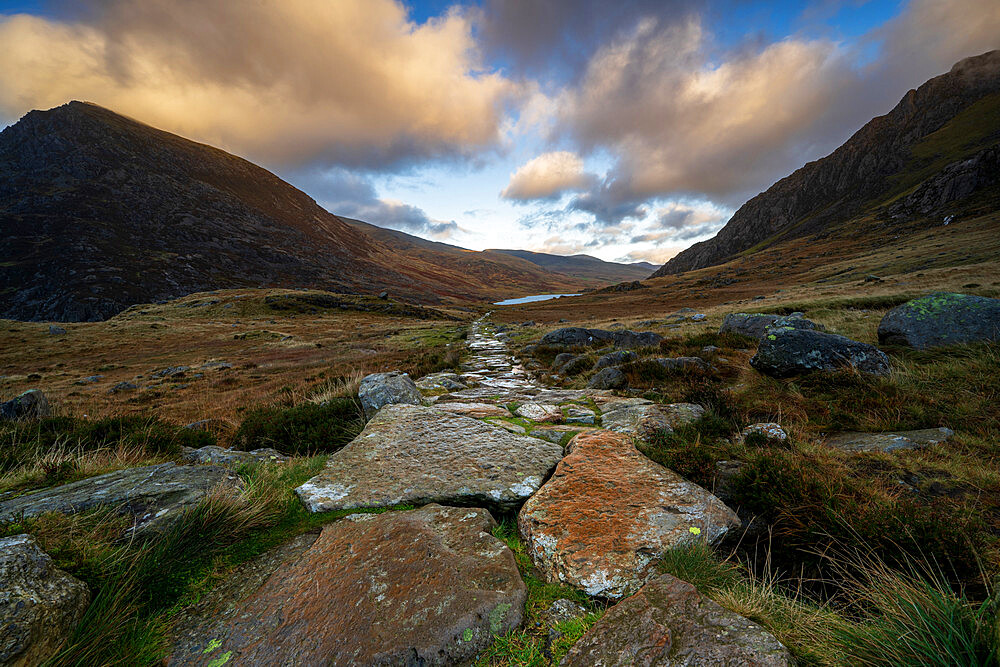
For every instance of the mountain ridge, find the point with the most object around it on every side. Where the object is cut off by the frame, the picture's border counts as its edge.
(99, 212)
(858, 174)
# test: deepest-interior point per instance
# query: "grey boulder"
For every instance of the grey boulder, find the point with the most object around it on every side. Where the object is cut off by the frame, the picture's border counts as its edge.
(668, 622)
(155, 495)
(416, 455)
(31, 404)
(381, 389)
(755, 325)
(232, 457)
(608, 378)
(614, 359)
(787, 352)
(939, 319)
(40, 605)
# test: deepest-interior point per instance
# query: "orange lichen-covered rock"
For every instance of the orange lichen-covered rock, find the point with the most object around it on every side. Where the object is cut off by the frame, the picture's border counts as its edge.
(429, 587)
(608, 513)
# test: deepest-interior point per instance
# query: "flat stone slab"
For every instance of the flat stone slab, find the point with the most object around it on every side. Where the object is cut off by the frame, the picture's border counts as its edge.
(539, 412)
(40, 605)
(416, 455)
(668, 622)
(425, 587)
(477, 410)
(608, 513)
(887, 442)
(232, 457)
(156, 495)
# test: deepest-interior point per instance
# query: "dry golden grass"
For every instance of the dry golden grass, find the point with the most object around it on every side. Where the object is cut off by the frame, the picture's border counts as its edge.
(327, 352)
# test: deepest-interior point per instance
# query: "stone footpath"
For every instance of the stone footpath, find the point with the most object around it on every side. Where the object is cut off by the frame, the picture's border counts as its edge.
(432, 585)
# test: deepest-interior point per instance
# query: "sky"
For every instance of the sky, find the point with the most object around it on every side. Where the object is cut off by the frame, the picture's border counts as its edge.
(626, 130)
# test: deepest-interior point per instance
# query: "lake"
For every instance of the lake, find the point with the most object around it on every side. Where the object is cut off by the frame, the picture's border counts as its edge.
(530, 299)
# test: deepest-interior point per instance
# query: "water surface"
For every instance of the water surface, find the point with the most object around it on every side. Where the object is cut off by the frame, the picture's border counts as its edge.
(530, 299)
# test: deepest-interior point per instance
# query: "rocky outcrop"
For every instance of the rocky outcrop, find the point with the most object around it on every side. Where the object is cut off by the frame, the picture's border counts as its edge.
(40, 605)
(416, 455)
(891, 441)
(426, 587)
(956, 181)
(939, 319)
(571, 336)
(755, 325)
(608, 513)
(668, 622)
(31, 404)
(614, 359)
(381, 389)
(837, 186)
(155, 495)
(787, 352)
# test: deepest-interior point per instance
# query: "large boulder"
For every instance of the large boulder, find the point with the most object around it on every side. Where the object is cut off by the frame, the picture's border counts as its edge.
(416, 455)
(570, 336)
(155, 495)
(668, 622)
(31, 404)
(755, 325)
(381, 389)
(608, 514)
(40, 605)
(427, 587)
(938, 319)
(787, 352)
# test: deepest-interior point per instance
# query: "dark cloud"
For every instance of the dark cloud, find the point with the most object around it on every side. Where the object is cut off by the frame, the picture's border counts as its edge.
(555, 38)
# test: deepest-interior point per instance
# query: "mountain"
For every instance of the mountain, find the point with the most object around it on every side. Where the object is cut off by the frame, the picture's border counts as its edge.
(99, 212)
(577, 271)
(937, 146)
(583, 266)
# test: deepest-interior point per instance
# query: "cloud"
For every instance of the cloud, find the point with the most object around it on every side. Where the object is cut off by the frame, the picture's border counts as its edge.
(351, 195)
(681, 119)
(350, 82)
(548, 176)
(557, 37)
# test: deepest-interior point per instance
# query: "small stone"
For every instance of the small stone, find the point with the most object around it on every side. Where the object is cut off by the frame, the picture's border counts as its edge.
(539, 413)
(383, 295)
(614, 359)
(381, 389)
(90, 379)
(56, 331)
(578, 415)
(123, 386)
(769, 431)
(683, 364)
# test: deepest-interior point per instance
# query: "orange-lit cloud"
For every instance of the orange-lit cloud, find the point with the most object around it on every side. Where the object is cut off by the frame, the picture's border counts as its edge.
(282, 81)
(547, 176)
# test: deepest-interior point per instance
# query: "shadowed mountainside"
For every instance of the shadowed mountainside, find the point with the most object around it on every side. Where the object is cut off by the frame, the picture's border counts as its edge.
(99, 212)
(937, 146)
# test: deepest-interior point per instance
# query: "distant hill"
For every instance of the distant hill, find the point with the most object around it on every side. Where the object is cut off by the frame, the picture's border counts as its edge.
(99, 212)
(939, 145)
(583, 266)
